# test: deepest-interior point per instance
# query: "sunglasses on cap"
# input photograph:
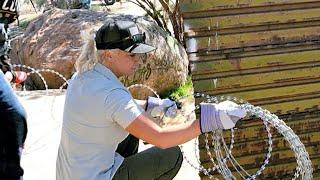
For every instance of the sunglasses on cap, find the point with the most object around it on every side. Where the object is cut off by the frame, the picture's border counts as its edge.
(125, 43)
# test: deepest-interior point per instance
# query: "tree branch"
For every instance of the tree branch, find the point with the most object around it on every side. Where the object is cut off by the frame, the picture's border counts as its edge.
(141, 5)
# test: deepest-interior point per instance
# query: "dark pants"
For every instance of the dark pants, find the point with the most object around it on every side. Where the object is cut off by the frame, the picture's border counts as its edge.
(13, 130)
(151, 164)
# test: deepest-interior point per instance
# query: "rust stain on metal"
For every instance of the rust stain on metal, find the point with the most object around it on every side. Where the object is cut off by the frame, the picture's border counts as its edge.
(271, 62)
(236, 62)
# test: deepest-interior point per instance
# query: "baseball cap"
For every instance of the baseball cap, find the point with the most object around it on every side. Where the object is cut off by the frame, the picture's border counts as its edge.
(123, 35)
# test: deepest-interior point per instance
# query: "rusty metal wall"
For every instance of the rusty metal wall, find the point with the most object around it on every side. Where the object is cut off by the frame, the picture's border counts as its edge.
(268, 53)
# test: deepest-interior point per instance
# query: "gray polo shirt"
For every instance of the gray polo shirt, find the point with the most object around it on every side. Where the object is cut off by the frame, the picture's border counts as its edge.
(97, 110)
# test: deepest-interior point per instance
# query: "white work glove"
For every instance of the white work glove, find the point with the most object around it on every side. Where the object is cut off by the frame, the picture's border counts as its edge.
(156, 107)
(220, 116)
(8, 76)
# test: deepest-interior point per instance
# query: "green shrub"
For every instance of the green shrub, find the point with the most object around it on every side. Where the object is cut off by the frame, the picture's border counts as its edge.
(23, 23)
(182, 91)
(40, 3)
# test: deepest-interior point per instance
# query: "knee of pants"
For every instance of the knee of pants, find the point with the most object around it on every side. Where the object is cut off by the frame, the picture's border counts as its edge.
(180, 157)
(176, 154)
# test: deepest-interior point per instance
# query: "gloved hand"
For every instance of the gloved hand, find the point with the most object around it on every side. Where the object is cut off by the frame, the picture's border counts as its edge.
(156, 107)
(19, 77)
(16, 77)
(8, 76)
(220, 116)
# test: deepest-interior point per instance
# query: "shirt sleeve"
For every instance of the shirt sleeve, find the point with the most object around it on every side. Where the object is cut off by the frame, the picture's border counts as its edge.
(122, 107)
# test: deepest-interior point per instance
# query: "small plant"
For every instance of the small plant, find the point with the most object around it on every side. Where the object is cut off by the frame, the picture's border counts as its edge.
(40, 3)
(23, 23)
(183, 90)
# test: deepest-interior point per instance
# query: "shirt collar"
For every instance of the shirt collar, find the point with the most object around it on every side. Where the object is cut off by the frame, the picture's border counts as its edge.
(104, 71)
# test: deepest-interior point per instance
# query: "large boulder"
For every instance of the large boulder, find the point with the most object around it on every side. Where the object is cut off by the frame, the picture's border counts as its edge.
(53, 41)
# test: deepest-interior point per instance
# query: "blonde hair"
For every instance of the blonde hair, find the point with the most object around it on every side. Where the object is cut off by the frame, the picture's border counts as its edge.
(89, 54)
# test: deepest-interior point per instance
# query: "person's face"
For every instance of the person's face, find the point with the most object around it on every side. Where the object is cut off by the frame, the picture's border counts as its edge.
(123, 63)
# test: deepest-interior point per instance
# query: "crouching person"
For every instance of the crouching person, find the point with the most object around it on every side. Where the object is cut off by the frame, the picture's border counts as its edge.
(99, 114)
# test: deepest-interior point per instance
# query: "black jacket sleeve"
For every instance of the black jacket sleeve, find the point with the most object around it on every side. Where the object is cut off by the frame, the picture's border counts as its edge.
(4, 49)
(5, 64)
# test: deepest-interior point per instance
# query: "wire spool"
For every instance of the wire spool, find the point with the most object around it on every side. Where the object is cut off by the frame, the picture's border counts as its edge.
(304, 166)
(39, 143)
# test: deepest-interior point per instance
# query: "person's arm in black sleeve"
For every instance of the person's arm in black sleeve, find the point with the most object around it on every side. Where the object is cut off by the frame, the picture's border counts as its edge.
(6, 67)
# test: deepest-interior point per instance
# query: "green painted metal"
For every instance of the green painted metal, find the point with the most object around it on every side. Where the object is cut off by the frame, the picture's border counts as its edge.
(268, 53)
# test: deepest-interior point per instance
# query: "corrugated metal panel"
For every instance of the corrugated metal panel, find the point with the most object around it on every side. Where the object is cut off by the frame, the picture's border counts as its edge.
(266, 52)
